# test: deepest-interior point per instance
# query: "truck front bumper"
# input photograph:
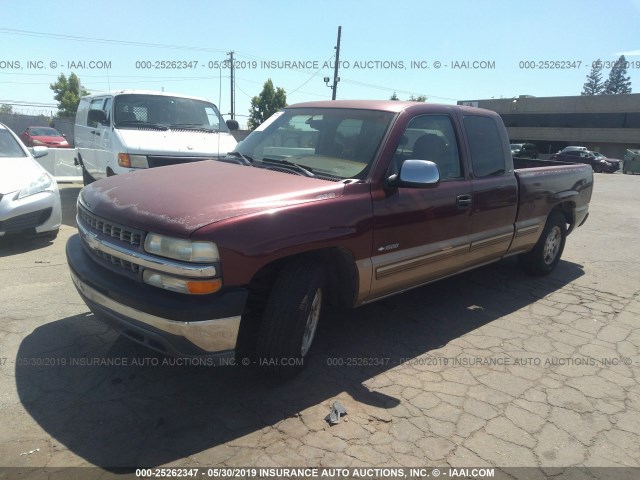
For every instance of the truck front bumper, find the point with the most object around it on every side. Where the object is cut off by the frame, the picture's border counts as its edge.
(172, 323)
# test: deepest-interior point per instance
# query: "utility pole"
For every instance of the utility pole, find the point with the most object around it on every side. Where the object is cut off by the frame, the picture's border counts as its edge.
(336, 79)
(233, 90)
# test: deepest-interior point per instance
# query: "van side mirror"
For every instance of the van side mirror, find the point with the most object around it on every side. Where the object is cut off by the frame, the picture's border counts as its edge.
(97, 116)
(232, 125)
(416, 174)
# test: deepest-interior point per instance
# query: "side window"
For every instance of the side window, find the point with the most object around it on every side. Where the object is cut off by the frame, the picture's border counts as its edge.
(430, 137)
(96, 104)
(487, 155)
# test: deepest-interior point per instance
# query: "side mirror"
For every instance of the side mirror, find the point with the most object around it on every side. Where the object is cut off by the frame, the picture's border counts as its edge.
(97, 116)
(40, 152)
(233, 125)
(416, 174)
(64, 135)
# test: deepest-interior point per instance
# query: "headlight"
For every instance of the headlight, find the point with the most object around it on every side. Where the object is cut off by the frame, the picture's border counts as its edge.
(132, 161)
(44, 183)
(180, 249)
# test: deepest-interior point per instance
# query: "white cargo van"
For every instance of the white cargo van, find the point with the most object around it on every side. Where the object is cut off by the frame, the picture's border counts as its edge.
(128, 130)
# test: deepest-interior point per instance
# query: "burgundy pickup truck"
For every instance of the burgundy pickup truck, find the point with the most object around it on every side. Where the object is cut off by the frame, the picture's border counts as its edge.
(341, 202)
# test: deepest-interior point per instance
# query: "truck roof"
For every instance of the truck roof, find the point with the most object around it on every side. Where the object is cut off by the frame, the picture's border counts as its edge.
(394, 106)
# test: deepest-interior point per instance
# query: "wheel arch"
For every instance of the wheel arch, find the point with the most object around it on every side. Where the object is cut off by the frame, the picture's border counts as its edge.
(341, 282)
(567, 209)
(340, 269)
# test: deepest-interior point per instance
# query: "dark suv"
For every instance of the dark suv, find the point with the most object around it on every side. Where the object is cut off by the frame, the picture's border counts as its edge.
(524, 150)
(598, 162)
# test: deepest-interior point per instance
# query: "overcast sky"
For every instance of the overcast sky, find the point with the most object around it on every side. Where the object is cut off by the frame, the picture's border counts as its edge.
(484, 48)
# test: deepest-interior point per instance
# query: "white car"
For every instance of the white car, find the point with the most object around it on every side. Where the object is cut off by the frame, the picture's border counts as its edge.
(29, 196)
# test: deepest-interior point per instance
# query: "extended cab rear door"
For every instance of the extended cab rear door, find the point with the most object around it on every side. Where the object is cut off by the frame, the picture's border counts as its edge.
(422, 234)
(494, 187)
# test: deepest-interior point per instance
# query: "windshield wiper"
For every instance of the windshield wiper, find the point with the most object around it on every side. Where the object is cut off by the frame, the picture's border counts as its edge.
(240, 158)
(306, 171)
(194, 126)
(140, 123)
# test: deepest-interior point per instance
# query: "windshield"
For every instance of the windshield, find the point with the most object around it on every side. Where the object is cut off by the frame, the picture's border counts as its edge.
(330, 142)
(516, 146)
(140, 110)
(44, 132)
(9, 147)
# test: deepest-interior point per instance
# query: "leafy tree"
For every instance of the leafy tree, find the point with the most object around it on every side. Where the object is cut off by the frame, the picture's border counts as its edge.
(419, 98)
(270, 101)
(67, 94)
(4, 108)
(618, 81)
(594, 84)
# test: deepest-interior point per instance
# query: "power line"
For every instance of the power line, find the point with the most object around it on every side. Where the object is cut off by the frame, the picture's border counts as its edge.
(29, 33)
(12, 31)
(27, 103)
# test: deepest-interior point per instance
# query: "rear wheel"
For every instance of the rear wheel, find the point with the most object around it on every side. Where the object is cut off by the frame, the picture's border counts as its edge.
(544, 257)
(290, 319)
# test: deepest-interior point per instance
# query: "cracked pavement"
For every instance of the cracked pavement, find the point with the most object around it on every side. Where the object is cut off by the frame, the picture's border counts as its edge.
(489, 368)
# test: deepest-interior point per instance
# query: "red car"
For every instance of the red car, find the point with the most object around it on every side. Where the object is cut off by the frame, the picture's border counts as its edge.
(44, 136)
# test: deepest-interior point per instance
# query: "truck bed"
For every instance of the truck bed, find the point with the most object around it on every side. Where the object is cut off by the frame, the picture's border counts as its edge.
(546, 182)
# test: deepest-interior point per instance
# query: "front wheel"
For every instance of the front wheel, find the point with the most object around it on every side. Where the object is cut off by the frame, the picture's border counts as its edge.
(545, 255)
(290, 319)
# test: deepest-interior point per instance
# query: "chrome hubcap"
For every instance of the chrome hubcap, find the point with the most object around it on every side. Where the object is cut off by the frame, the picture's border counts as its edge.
(552, 245)
(312, 323)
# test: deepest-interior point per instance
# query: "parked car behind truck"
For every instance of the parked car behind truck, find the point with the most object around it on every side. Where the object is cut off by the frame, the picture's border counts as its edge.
(597, 161)
(131, 130)
(342, 202)
(524, 150)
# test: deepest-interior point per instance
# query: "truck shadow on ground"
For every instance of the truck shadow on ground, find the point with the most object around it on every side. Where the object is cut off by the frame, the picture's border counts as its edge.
(149, 415)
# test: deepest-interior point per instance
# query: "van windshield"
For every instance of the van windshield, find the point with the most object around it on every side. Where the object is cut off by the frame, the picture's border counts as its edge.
(141, 111)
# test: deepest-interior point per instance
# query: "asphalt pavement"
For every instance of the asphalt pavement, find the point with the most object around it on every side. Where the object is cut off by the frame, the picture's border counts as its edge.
(489, 368)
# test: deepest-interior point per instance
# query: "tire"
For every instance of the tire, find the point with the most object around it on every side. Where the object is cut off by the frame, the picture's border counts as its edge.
(290, 319)
(545, 255)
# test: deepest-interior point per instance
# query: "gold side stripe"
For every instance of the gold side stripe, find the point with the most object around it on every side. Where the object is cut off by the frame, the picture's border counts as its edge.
(527, 231)
(489, 242)
(387, 270)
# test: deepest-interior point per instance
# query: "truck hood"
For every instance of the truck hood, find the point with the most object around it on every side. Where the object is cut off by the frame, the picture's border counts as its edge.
(179, 199)
(176, 142)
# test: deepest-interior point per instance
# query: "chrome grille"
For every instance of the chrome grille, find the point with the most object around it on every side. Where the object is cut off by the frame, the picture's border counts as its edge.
(110, 229)
(118, 262)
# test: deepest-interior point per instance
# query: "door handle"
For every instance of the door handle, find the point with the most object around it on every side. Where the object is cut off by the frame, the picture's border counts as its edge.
(463, 201)
(93, 132)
